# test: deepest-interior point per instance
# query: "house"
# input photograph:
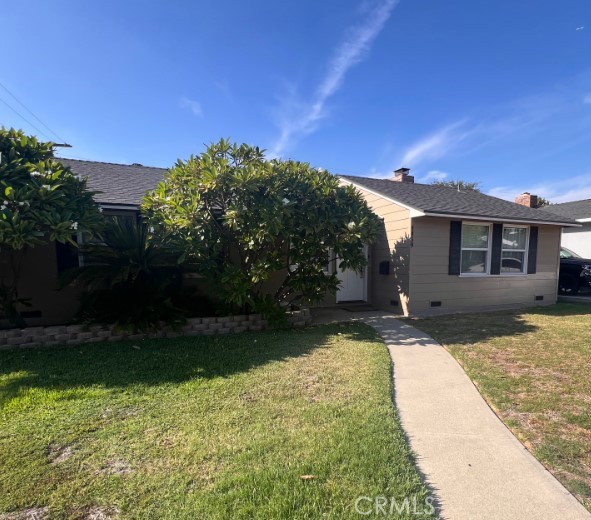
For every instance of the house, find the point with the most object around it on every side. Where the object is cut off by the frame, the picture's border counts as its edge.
(441, 250)
(121, 188)
(444, 250)
(578, 239)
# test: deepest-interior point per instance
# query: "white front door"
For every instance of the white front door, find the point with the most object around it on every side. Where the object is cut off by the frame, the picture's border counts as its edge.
(353, 286)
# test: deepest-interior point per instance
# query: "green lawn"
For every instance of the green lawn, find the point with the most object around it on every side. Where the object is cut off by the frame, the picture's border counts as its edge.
(534, 369)
(203, 428)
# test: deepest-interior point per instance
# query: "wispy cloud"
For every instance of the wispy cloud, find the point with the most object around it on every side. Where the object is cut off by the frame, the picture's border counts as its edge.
(433, 175)
(435, 145)
(192, 105)
(564, 190)
(524, 117)
(587, 99)
(580, 28)
(297, 117)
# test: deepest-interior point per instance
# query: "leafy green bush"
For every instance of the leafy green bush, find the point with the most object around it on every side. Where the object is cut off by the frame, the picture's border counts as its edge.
(261, 230)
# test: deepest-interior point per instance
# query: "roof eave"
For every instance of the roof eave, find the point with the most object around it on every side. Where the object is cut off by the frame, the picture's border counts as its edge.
(117, 205)
(501, 219)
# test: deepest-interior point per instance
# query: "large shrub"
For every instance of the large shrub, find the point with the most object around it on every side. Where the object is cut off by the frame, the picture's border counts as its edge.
(261, 230)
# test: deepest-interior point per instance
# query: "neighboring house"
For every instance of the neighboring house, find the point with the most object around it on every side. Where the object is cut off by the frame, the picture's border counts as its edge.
(441, 250)
(578, 239)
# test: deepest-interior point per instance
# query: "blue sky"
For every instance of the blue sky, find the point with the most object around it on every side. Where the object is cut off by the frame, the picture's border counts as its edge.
(496, 92)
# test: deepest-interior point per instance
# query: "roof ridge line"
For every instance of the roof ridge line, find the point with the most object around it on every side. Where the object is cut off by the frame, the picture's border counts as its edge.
(134, 165)
(571, 202)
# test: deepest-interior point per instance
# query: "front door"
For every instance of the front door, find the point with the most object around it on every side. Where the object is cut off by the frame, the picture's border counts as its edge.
(353, 286)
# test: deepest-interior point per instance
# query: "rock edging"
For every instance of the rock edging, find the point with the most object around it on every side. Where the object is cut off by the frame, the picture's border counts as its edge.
(80, 334)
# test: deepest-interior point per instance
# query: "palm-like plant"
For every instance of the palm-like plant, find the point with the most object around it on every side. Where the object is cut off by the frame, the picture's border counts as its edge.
(131, 278)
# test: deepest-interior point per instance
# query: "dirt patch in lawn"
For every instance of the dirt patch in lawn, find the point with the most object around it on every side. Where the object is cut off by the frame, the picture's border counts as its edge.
(115, 467)
(95, 513)
(57, 454)
(33, 513)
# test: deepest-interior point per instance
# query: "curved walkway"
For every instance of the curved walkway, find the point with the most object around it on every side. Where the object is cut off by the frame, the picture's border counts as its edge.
(471, 461)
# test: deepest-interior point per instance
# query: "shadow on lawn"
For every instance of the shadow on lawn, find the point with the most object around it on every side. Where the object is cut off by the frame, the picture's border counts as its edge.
(466, 329)
(158, 361)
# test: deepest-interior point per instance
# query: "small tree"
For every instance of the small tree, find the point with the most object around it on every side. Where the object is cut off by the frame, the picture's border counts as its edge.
(542, 202)
(40, 201)
(262, 230)
(459, 185)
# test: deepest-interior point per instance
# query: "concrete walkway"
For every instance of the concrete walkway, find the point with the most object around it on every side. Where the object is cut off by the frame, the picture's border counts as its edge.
(475, 466)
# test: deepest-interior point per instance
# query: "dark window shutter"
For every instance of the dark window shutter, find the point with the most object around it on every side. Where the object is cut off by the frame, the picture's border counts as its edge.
(532, 254)
(455, 246)
(497, 246)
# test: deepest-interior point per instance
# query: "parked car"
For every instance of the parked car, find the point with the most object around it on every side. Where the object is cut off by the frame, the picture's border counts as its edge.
(575, 272)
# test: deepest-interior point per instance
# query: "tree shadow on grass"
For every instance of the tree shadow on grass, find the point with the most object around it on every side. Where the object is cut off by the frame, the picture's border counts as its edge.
(466, 329)
(159, 361)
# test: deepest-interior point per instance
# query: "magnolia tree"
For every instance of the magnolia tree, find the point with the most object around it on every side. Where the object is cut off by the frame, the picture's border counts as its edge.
(40, 201)
(261, 230)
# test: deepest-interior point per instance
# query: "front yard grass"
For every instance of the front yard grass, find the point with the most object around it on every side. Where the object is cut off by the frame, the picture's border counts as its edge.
(533, 367)
(211, 427)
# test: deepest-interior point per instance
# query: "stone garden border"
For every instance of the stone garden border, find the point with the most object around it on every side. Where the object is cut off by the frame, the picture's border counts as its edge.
(79, 334)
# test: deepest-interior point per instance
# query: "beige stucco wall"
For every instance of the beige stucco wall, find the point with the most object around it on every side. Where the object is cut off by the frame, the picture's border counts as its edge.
(392, 246)
(430, 281)
(39, 281)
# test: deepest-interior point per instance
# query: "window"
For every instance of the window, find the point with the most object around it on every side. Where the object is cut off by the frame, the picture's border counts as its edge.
(475, 248)
(567, 253)
(326, 262)
(514, 249)
(480, 249)
(67, 256)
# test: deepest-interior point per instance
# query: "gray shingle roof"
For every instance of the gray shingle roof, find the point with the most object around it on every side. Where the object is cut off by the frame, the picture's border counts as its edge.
(577, 209)
(117, 183)
(429, 198)
(125, 184)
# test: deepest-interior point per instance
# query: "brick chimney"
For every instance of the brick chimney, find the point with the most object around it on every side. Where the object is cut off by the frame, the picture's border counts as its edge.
(401, 175)
(527, 199)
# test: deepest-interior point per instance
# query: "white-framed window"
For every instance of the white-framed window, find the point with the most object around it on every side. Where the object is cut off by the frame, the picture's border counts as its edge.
(514, 249)
(476, 248)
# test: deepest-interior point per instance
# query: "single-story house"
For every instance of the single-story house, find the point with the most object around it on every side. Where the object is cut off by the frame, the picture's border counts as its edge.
(577, 239)
(444, 250)
(440, 250)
